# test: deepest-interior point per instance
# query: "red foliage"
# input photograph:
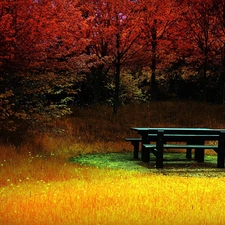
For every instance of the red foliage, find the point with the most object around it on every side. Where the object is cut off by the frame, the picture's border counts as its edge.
(97, 38)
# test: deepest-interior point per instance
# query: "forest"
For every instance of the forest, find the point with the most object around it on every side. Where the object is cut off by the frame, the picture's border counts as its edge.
(75, 76)
(54, 54)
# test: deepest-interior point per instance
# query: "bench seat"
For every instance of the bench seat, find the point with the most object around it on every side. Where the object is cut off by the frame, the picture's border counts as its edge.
(159, 156)
(180, 146)
(135, 141)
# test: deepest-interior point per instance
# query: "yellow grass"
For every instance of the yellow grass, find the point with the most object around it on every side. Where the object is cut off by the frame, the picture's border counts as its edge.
(39, 185)
(36, 189)
(52, 192)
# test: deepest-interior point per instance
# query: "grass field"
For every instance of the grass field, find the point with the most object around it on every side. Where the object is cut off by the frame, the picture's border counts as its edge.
(40, 185)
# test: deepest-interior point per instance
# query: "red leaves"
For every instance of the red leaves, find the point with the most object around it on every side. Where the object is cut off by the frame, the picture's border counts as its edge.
(51, 33)
(97, 38)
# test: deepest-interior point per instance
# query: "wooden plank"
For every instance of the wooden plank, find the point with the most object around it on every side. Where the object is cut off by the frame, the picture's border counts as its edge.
(133, 139)
(183, 137)
(190, 146)
(182, 146)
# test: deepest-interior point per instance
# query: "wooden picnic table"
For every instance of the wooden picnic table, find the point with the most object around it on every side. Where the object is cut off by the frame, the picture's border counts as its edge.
(195, 138)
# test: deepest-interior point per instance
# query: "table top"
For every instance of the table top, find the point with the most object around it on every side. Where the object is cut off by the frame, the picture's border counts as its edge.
(177, 130)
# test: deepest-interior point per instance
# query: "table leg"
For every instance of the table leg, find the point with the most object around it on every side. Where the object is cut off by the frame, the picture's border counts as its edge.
(145, 153)
(188, 152)
(136, 149)
(221, 154)
(199, 153)
(159, 147)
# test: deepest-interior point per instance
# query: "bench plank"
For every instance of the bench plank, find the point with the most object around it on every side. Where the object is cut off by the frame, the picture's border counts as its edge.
(182, 146)
(133, 139)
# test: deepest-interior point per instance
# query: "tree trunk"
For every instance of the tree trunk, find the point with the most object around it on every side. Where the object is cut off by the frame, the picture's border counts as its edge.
(153, 65)
(153, 79)
(117, 75)
(98, 81)
(117, 88)
(204, 78)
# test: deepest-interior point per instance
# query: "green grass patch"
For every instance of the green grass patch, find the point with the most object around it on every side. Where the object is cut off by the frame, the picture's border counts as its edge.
(174, 164)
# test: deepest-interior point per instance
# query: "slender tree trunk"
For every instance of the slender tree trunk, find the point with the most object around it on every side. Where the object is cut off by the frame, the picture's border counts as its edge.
(98, 81)
(205, 66)
(117, 75)
(117, 88)
(97, 89)
(153, 64)
(153, 78)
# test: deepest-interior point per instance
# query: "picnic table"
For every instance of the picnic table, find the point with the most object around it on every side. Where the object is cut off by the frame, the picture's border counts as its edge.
(155, 140)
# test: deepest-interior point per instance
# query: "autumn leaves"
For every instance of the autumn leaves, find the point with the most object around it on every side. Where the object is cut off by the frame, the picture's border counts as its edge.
(87, 46)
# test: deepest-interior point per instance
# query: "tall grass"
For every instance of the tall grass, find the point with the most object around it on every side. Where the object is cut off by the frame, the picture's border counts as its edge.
(39, 186)
(77, 195)
(95, 129)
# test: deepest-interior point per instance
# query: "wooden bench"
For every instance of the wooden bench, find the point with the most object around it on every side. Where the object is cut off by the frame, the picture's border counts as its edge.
(198, 149)
(194, 141)
(189, 139)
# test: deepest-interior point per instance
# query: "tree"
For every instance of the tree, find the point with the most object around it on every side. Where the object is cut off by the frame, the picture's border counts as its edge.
(219, 10)
(201, 26)
(159, 19)
(97, 33)
(113, 34)
(40, 46)
(124, 46)
(125, 37)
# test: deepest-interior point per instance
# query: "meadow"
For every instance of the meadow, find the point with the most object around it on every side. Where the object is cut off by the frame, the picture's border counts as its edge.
(39, 185)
